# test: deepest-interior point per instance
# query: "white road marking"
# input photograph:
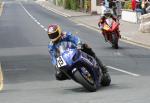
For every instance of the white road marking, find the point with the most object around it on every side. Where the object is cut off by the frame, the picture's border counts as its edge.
(133, 74)
(15, 69)
(124, 39)
(80, 24)
(87, 26)
(118, 53)
(1, 78)
(38, 23)
(45, 29)
(57, 11)
(42, 26)
(33, 18)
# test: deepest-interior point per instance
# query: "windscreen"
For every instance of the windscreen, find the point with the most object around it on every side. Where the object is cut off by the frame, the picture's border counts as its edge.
(63, 46)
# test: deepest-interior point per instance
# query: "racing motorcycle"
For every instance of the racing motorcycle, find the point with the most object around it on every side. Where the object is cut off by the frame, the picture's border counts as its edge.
(80, 67)
(110, 28)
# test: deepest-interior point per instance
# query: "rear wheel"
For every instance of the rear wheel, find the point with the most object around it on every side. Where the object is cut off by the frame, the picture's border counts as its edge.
(85, 79)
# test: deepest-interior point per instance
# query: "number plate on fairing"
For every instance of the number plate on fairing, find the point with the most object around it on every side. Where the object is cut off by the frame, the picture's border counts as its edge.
(60, 62)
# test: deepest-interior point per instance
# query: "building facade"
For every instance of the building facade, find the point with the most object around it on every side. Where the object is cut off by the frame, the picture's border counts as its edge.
(89, 6)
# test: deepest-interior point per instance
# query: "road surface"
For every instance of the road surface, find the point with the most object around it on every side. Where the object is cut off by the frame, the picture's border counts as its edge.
(29, 76)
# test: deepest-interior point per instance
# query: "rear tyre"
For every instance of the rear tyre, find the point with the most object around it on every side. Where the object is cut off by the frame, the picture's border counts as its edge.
(88, 84)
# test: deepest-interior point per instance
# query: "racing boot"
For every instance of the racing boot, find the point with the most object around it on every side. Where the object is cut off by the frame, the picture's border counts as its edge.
(118, 33)
(60, 75)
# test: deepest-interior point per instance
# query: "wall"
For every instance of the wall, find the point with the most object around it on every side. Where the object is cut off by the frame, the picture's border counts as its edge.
(145, 23)
(93, 6)
(130, 16)
(100, 9)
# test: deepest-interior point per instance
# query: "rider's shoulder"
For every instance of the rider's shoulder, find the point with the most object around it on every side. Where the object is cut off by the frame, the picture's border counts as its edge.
(66, 34)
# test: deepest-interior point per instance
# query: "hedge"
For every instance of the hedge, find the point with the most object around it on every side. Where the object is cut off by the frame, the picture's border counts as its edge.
(127, 5)
(71, 4)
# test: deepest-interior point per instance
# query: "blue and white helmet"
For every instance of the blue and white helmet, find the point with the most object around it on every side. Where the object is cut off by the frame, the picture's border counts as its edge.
(107, 12)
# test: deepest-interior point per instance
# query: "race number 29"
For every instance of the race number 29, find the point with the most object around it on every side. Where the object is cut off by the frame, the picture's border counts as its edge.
(60, 62)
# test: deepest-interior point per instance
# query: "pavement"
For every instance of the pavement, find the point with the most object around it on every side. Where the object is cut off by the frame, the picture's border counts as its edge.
(130, 31)
(1, 7)
(1, 76)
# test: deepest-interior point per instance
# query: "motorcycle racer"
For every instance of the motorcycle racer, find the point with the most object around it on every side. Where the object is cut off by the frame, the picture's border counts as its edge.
(56, 36)
(107, 14)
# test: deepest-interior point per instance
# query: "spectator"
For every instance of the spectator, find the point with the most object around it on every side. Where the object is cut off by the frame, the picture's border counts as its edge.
(143, 5)
(112, 3)
(138, 7)
(148, 6)
(133, 2)
(118, 8)
(106, 3)
(112, 6)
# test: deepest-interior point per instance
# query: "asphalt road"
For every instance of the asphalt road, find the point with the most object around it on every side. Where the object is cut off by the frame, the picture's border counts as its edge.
(29, 75)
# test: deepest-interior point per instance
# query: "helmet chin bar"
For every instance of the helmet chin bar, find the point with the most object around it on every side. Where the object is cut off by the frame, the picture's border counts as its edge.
(56, 41)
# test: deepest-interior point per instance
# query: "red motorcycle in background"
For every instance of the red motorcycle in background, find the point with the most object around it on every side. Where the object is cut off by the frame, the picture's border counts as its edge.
(111, 31)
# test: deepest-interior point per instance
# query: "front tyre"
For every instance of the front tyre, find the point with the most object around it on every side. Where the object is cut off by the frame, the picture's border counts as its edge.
(88, 83)
(114, 41)
(106, 79)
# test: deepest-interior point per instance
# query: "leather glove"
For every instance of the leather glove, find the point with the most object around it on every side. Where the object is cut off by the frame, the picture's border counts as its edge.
(79, 46)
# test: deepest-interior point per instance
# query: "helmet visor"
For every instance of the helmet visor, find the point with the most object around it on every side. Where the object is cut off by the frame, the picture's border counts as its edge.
(54, 35)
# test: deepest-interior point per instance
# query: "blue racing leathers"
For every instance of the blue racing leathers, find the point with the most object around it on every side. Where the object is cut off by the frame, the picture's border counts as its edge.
(67, 37)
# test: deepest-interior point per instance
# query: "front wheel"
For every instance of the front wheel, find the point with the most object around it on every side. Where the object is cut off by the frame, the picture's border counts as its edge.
(114, 41)
(86, 80)
(106, 79)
